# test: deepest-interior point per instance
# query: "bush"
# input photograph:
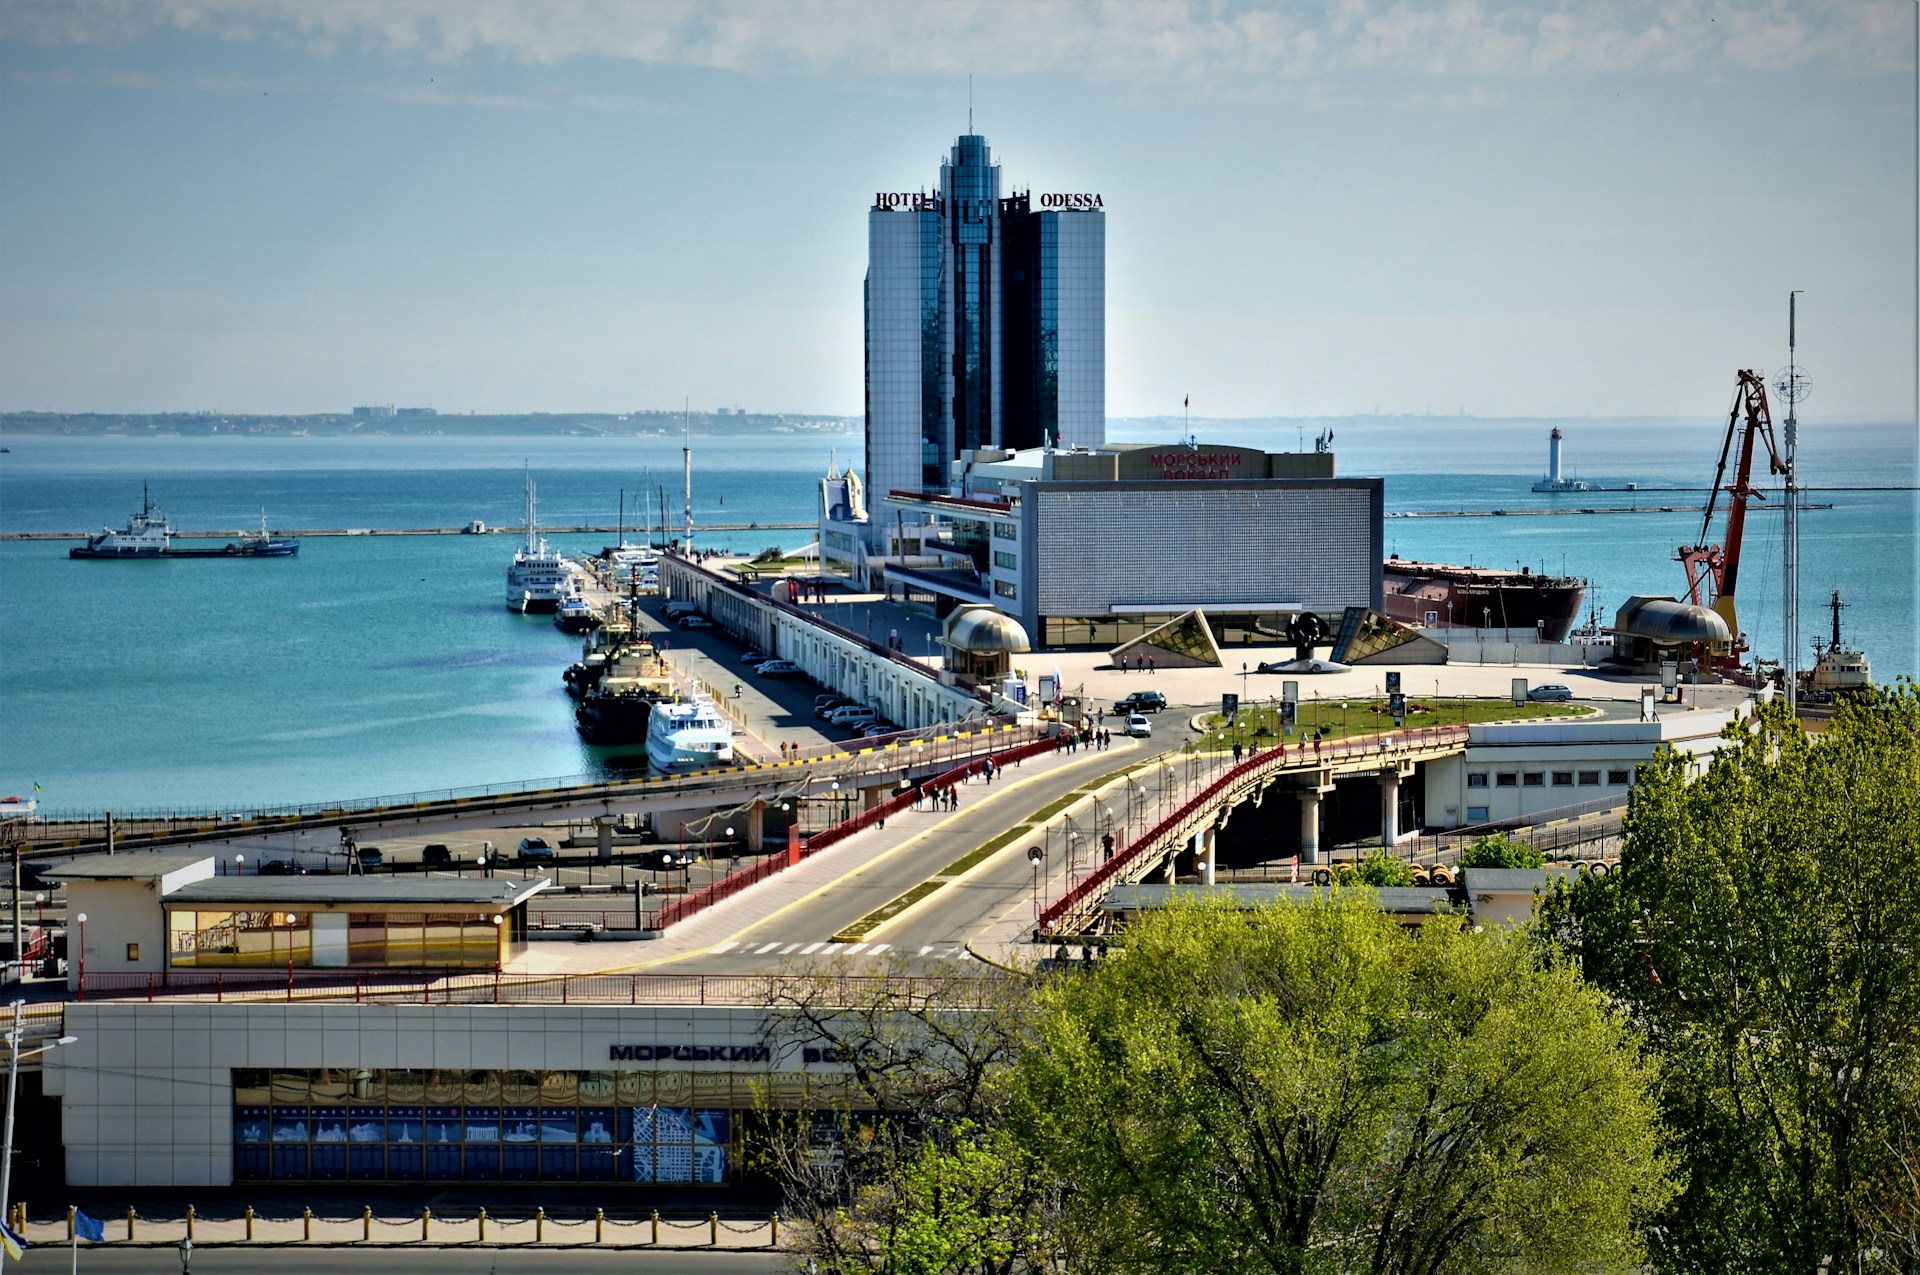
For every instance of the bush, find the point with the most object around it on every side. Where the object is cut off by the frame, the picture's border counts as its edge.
(1382, 869)
(1500, 851)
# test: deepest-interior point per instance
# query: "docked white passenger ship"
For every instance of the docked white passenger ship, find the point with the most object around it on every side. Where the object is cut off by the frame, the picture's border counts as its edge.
(539, 577)
(688, 733)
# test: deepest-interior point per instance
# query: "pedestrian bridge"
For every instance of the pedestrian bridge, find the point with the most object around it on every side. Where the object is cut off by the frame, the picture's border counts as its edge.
(1308, 768)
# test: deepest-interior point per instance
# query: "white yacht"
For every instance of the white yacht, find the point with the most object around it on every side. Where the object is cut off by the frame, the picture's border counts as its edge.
(539, 577)
(685, 734)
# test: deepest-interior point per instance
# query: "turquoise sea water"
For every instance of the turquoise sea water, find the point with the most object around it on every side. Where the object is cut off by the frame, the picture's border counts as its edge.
(373, 666)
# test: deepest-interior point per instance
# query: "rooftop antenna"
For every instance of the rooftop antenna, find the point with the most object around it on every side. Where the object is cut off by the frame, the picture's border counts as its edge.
(1186, 423)
(1791, 386)
(969, 103)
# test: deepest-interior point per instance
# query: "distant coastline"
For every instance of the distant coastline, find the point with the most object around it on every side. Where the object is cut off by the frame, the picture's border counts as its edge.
(416, 423)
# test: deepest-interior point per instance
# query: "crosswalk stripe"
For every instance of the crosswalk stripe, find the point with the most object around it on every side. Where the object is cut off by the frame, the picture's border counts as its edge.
(877, 949)
(788, 949)
(926, 949)
(724, 946)
(854, 949)
(767, 948)
(811, 948)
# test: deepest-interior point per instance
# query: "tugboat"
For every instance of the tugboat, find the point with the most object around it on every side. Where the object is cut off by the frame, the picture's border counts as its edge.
(1839, 669)
(619, 708)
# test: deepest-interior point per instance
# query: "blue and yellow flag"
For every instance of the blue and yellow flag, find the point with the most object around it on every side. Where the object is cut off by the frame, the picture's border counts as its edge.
(10, 1240)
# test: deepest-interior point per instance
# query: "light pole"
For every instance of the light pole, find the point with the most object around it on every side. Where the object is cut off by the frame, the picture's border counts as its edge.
(499, 936)
(733, 856)
(13, 1039)
(82, 919)
(1036, 856)
(186, 1257)
(239, 865)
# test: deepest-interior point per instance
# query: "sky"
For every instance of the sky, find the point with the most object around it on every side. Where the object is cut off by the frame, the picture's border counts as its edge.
(1496, 208)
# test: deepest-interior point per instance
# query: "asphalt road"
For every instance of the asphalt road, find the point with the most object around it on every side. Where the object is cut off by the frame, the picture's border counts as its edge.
(164, 1260)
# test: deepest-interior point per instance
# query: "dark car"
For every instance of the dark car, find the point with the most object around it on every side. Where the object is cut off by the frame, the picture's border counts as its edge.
(369, 856)
(664, 860)
(436, 856)
(535, 850)
(281, 868)
(1140, 702)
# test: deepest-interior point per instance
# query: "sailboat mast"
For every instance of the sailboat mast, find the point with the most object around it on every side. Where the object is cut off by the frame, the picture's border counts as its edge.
(686, 466)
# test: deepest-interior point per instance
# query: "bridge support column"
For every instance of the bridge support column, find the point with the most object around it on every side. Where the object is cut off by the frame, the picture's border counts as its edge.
(1207, 850)
(1389, 807)
(1310, 825)
(756, 827)
(603, 838)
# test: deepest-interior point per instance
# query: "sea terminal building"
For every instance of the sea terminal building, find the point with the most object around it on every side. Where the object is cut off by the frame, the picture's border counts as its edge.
(382, 1067)
(1093, 546)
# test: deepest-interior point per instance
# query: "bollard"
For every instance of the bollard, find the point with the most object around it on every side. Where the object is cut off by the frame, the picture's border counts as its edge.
(483, 1225)
(249, 1223)
(306, 1222)
(713, 1228)
(599, 1224)
(656, 1225)
(539, 1224)
(70, 1211)
(366, 1221)
(426, 1221)
(189, 1221)
(129, 1226)
(775, 1241)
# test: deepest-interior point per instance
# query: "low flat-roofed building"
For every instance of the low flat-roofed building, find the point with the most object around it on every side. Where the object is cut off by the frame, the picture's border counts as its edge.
(163, 913)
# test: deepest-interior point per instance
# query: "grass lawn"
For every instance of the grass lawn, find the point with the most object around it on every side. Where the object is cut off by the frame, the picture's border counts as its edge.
(1358, 716)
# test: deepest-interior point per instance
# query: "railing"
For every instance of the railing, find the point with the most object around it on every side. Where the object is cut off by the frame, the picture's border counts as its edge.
(1305, 755)
(428, 987)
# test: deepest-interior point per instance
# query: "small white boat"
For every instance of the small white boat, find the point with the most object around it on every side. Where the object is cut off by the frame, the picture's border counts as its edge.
(685, 734)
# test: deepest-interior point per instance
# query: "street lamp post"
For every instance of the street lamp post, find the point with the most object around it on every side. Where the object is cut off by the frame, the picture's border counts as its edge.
(82, 920)
(239, 865)
(186, 1257)
(14, 1054)
(1036, 856)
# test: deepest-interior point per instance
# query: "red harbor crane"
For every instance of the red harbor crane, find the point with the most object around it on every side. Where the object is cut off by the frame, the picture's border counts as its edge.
(1714, 570)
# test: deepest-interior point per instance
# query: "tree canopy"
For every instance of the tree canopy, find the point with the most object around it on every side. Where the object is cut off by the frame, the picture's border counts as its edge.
(1764, 933)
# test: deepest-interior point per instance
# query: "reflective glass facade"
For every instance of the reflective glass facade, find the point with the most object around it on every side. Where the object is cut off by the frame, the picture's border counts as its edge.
(985, 326)
(321, 1124)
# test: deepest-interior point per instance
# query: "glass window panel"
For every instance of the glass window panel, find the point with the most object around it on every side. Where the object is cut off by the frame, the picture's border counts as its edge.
(250, 1124)
(366, 1124)
(291, 1124)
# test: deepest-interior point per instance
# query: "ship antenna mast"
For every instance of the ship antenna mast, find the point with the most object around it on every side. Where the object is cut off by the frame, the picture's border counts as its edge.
(686, 465)
(1791, 386)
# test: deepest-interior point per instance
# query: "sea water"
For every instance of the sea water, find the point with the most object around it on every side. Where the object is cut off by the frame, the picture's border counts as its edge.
(374, 666)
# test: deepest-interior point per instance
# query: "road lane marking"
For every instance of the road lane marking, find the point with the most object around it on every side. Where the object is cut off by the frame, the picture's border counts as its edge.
(811, 948)
(724, 946)
(853, 949)
(788, 949)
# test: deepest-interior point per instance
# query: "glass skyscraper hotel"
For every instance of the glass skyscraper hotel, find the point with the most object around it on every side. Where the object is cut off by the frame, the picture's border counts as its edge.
(985, 327)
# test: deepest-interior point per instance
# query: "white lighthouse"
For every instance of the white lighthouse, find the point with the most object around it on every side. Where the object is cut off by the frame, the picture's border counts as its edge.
(1553, 481)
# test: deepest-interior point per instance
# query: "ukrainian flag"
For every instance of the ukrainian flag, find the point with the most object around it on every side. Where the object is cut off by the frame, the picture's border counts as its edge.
(16, 1247)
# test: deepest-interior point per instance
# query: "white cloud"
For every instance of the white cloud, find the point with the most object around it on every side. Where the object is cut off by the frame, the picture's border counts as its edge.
(1104, 39)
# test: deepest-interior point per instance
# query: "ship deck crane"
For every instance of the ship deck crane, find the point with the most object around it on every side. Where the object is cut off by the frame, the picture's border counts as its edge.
(1713, 570)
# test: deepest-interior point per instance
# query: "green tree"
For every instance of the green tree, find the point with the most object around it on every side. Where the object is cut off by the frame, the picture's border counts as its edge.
(1764, 931)
(1309, 1088)
(1497, 850)
(1381, 869)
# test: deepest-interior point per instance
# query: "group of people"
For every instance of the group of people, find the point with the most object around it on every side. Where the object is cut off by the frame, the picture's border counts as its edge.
(947, 798)
(1072, 740)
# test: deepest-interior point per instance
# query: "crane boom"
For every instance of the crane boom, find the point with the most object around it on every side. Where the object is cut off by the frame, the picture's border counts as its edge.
(1713, 570)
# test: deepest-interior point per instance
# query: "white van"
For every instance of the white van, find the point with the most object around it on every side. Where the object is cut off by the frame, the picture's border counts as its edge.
(679, 607)
(853, 715)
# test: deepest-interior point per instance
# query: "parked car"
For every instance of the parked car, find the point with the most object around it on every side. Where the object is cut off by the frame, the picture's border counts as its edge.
(778, 668)
(834, 705)
(436, 856)
(754, 657)
(875, 729)
(665, 860)
(695, 621)
(535, 850)
(1553, 693)
(1138, 725)
(370, 857)
(1140, 702)
(679, 607)
(280, 868)
(853, 715)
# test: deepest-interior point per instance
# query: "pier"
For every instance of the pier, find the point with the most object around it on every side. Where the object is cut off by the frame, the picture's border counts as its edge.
(608, 529)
